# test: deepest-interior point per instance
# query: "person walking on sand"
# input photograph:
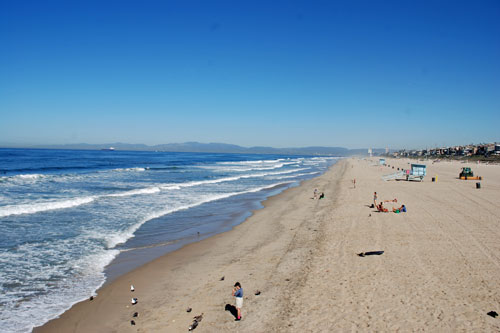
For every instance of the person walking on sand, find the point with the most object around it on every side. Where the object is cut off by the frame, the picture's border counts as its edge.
(374, 199)
(238, 295)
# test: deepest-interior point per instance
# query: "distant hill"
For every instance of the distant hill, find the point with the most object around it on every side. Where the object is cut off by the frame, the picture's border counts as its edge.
(197, 147)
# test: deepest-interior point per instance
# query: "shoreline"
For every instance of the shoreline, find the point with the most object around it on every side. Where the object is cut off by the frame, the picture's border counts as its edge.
(179, 255)
(133, 258)
(439, 270)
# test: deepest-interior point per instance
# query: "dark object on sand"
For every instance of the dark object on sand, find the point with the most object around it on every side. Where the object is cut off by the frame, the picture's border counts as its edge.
(478, 185)
(492, 314)
(132, 322)
(257, 292)
(322, 195)
(231, 308)
(222, 278)
(372, 206)
(193, 325)
(135, 314)
(134, 301)
(371, 253)
(196, 321)
(91, 298)
(370, 215)
(189, 310)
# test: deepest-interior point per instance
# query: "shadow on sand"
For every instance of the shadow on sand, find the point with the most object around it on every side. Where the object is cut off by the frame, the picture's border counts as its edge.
(232, 309)
(371, 253)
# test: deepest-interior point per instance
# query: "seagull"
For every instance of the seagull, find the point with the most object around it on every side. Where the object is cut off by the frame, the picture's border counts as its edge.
(134, 301)
(193, 325)
(188, 310)
(222, 278)
(132, 322)
(135, 314)
(132, 289)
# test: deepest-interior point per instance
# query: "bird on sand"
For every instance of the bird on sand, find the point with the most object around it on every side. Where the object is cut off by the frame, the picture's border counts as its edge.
(193, 325)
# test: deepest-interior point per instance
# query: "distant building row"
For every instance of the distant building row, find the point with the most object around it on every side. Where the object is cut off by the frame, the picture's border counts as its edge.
(488, 149)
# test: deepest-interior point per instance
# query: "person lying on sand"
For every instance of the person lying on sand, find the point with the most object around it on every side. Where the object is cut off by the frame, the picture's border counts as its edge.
(401, 209)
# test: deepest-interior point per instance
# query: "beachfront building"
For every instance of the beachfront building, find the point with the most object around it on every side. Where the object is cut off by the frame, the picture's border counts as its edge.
(483, 150)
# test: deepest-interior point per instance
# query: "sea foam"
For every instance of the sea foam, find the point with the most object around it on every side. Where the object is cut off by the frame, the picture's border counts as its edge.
(37, 207)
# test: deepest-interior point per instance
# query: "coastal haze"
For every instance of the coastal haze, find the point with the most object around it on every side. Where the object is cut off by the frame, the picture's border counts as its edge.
(197, 147)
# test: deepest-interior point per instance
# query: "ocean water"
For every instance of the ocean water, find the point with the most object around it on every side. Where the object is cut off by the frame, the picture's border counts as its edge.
(66, 215)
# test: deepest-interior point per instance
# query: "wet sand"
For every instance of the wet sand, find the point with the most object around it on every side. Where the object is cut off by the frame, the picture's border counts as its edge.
(439, 270)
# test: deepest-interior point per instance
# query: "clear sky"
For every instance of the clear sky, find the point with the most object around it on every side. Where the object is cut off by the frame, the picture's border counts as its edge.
(402, 74)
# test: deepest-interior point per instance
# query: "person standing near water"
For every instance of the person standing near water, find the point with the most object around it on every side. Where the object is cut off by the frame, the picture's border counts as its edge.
(238, 295)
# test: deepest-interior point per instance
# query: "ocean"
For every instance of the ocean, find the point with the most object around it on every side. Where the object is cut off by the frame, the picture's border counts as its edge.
(71, 219)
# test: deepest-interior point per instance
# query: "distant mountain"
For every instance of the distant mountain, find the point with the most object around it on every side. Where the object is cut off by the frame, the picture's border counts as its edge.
(197, 147)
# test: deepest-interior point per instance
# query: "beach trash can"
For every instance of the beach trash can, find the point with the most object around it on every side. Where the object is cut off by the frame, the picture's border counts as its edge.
(433, 179)
(478, 185)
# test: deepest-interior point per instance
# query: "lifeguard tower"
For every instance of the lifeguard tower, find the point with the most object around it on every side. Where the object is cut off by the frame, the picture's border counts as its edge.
(417, 172)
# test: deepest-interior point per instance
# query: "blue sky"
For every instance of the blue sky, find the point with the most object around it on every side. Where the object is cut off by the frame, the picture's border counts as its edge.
(402, 74)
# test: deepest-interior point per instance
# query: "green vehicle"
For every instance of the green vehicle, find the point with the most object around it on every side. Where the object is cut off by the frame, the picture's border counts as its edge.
(467, 174)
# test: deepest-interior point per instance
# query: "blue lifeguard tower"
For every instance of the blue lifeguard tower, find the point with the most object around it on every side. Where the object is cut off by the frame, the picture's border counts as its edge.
(417, 172)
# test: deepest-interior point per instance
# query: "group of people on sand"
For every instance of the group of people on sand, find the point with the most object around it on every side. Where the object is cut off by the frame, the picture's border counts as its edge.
(380, 207)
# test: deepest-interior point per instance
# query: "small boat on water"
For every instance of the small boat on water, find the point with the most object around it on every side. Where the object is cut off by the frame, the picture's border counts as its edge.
(108, 149)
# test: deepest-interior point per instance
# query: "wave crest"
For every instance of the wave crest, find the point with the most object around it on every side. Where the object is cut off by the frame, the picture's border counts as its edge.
(43, 206)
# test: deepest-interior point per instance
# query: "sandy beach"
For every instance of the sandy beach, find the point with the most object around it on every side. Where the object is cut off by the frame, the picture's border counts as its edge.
(439, 270)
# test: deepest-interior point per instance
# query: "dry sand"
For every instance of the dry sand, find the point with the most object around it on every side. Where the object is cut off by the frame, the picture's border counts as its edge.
(439, 272)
